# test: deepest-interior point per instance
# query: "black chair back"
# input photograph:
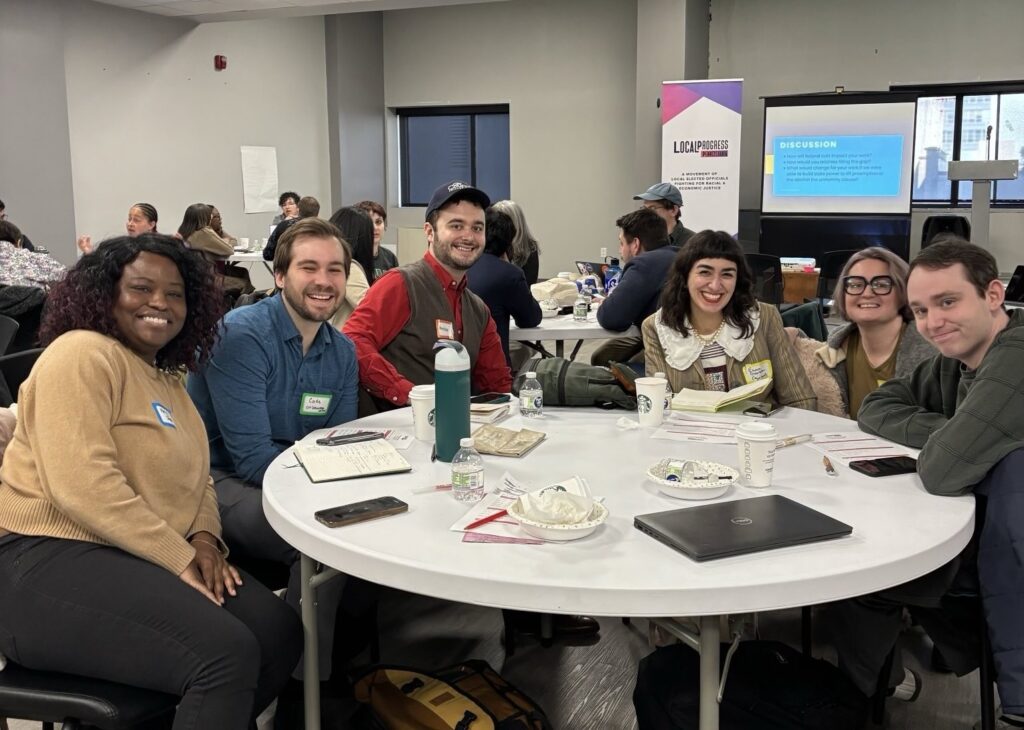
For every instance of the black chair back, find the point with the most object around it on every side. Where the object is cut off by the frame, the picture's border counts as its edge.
(8, 328)
(830, 265)
(768, 283)
(14, 369)
(936, 224)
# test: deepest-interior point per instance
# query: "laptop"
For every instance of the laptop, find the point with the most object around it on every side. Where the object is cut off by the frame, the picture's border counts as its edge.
(738, 527)
(592, 268)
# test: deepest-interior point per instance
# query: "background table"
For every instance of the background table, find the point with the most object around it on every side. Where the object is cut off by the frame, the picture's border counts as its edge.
(900, 532)
(563, 327)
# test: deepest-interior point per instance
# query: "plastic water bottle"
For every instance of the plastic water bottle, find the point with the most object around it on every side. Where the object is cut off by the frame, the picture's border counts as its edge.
(467, 473)
(531, 397)
(451, 397)
(579, 309)
(612, 276)
(668, 391)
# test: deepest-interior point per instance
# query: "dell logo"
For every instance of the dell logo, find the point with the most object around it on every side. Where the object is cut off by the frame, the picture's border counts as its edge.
(741, 521)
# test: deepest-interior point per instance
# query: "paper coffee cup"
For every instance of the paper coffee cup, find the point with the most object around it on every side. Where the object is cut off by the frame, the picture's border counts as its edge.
(421, 398)
(756, 443)
(650, 400)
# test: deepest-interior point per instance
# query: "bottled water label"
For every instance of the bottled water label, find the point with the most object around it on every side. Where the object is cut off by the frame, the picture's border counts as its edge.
(579, 310)
(468, 483)
(531, 403)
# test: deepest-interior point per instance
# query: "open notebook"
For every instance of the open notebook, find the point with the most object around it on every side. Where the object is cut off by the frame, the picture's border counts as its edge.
(331, 463)
(709, 401)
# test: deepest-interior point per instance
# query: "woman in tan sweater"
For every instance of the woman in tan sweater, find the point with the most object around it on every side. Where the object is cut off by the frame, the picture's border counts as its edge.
(111, 562)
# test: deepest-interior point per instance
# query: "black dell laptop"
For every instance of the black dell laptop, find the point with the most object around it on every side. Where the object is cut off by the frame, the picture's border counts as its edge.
(738, 527)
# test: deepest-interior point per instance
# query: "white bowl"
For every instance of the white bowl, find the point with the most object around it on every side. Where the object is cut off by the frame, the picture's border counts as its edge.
(545, 313)
(694, 489)
(560, 533)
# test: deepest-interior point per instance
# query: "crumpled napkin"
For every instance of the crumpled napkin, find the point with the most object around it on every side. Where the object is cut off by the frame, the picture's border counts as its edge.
(627, 423)
(555, 505)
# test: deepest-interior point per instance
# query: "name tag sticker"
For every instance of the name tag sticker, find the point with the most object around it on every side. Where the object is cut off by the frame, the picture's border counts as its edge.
(755, 371)
(445, 330)
(163, 414)
(315, 404)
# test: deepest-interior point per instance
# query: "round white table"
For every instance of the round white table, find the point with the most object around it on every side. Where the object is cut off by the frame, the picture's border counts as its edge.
(563, 327)
(900, 532)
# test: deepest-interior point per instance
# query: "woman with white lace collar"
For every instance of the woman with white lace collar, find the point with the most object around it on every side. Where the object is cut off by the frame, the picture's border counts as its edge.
(711, 334)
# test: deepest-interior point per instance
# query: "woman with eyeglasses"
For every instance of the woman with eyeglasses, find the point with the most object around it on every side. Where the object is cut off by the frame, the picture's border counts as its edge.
(878, 341)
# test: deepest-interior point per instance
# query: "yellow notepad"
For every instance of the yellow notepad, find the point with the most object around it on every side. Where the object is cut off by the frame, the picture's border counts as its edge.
(369, 458)
(709, 401)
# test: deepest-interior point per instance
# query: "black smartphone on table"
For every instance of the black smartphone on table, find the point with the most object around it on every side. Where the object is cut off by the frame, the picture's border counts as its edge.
(370, 509)
(491, 398)
(886, 466)
(761, 410)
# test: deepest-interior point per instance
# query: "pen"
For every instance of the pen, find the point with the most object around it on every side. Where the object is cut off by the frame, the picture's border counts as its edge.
(432, 488)
(353, 438)
(792, 440)
(829, 469)
(485, 520)
(433, 452)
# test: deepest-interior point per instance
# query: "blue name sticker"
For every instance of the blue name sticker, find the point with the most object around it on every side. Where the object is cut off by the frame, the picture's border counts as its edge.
(163, 414)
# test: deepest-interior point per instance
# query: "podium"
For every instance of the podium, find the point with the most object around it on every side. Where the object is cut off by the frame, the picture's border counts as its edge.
(981, 173)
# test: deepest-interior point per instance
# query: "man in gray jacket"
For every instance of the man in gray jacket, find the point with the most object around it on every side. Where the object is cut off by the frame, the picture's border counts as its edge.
(965, 410)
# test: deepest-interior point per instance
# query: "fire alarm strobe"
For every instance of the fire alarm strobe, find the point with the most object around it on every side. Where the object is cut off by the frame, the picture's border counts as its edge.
(220, 62)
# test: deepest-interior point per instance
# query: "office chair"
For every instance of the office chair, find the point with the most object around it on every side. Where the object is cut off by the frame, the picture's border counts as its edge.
(8, 328)
(768, 283)
(936, 224)
(830, 265)
(13, 371)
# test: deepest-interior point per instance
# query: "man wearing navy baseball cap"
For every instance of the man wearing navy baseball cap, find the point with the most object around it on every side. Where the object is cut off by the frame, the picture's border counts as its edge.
(666, 200)
(409, 308)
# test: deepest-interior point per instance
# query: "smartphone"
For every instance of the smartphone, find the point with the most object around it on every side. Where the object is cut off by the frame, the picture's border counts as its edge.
(762, 410)
(371, 509)
(886, 466)
(491, 398)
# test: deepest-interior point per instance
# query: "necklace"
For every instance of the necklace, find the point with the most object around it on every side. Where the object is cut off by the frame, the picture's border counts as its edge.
(706, 340)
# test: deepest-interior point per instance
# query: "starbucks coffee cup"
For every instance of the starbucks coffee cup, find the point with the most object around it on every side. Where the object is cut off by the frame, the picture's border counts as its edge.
(421, 398)
(650, 400)
(756, 444)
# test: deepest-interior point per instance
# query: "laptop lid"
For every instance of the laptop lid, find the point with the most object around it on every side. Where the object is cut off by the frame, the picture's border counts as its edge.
(592, 268)
(740, 526)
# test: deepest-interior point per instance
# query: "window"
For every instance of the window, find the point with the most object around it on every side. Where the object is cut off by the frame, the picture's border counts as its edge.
(438, 144)
(967, 122)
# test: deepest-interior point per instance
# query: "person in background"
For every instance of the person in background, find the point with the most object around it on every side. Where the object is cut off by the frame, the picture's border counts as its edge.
(111, 560)
(255, 396)
(21, 267)
(878, 341)
(217, 224)
(666, 200)
(308, 207)
(501, 284)
(408, 309)
(712, 334)
(142, 218)
(25, 242)
(646, 258)
(197, 234)
(525, 251)
(356, 230)
(289, 204)
(383, 259)
(964, 409)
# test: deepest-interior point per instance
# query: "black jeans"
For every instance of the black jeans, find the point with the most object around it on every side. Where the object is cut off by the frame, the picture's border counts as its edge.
(97, 611)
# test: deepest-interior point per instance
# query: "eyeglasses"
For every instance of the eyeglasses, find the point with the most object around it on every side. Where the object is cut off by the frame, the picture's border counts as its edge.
(857, 284)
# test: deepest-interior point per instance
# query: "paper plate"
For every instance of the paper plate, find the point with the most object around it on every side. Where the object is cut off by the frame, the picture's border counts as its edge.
(694, 489)
(560, 533)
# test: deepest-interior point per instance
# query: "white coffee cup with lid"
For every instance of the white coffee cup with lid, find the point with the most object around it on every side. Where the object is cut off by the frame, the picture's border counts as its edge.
(756, 443)
(421, 398)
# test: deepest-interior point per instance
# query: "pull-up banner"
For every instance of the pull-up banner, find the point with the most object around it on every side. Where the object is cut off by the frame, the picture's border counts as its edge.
(700, 150)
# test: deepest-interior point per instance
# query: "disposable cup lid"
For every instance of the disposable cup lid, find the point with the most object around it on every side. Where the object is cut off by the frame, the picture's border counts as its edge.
(757, 431)
(531, 374)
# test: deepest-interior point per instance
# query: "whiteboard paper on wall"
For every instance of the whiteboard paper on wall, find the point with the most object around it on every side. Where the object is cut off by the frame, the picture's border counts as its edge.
(259, 179)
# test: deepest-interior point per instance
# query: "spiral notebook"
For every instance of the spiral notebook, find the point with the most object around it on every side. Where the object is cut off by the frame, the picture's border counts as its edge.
(350, 461)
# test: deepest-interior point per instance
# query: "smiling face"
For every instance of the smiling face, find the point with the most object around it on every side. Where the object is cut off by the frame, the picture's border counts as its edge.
(458, 240)
(150, 306)
(711, 283)
(314, 284)
(952, 315)
(138, 223)
(869, 307)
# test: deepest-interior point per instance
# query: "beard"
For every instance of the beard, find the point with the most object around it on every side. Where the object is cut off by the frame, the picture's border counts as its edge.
(297, 301)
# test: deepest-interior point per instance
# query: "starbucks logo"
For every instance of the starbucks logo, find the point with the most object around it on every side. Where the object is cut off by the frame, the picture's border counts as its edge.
(643, 404)
(430, 417)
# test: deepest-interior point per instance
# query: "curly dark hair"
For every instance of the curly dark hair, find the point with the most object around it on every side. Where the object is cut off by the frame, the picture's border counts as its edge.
(675, 297)
(84, 299)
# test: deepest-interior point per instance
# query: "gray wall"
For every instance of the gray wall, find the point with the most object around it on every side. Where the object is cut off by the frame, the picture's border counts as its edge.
(567, 69)
(35, 155)
(807, 45)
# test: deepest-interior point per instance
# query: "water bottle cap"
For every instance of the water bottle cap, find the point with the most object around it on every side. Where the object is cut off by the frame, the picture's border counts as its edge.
(531, 374)
(659, 374)
(466, 443)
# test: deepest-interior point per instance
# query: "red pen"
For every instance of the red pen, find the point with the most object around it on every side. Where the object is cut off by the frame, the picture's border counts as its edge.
(484, 520)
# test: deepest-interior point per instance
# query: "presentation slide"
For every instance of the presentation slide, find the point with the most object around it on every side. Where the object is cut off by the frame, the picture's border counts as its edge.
(838, 158)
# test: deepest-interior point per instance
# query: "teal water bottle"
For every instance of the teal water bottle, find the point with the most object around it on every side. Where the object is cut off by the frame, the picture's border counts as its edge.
(451, 397)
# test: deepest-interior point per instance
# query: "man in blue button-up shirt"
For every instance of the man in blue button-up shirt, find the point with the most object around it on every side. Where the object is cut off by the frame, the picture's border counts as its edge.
(279, 371)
